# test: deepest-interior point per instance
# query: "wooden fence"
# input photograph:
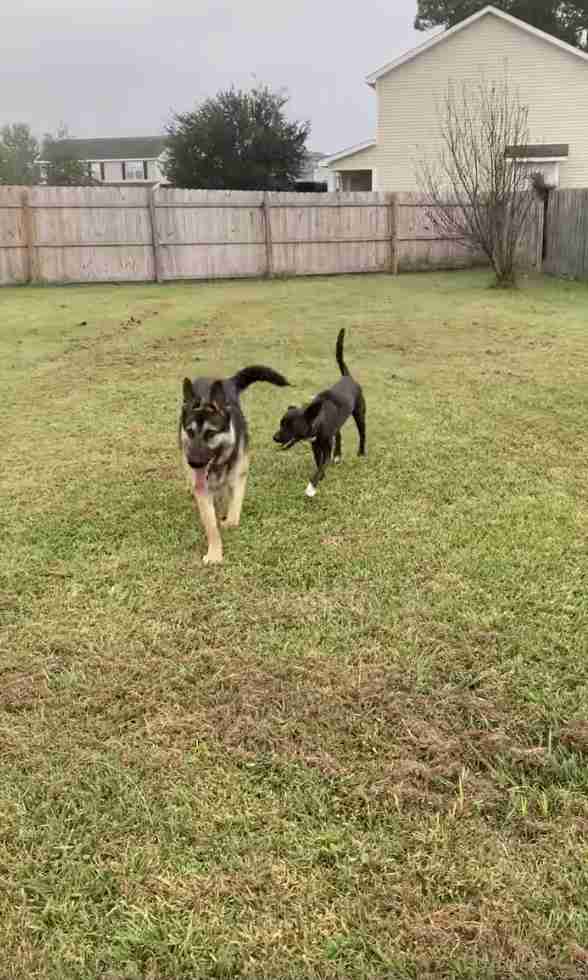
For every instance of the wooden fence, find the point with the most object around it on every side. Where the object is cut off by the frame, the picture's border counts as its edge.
(137, 234)
(566, 238)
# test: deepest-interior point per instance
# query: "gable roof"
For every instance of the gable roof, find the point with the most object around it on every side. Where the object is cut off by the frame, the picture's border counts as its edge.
(444, 35)
(113, 148)
(348, 152)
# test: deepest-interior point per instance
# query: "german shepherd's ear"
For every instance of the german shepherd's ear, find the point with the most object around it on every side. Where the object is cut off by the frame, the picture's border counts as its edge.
(312, 412)
(188, 390)
(217, 397)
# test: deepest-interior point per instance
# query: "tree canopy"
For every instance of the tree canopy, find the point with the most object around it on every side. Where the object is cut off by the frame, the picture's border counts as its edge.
(238, 140)
(19, 152)
(567, 21)
(62, 167)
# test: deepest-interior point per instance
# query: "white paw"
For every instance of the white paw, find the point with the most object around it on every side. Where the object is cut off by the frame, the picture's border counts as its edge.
(212, 559)
(310, 490)
(337, 459)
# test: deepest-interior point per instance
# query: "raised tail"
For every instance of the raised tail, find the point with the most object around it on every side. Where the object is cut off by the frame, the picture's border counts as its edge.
(257, 372)
(339, 353)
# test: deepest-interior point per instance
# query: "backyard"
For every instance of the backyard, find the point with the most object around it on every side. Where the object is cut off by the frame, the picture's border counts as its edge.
(358, 749)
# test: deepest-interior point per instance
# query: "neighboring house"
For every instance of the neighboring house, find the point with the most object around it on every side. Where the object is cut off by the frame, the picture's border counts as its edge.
(551, 78)
(119, 159)
(312, 172)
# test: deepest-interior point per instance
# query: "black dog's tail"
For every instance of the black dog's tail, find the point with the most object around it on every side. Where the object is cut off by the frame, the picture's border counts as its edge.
(339, 353)
(257, 372)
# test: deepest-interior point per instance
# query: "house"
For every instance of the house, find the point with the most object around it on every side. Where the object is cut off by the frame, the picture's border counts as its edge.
(117, 160)
(312, 172)
(551, 78)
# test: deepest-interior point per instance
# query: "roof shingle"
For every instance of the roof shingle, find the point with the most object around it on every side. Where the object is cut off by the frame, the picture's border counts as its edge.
(111, 148)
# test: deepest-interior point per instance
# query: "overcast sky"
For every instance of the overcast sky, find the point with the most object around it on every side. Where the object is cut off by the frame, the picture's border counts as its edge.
(119, 68)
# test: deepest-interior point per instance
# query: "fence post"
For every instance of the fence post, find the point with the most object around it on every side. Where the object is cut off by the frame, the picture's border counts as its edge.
(29, 236)
(267, 228)
(544, 231)
(154, 233)
(393, 224)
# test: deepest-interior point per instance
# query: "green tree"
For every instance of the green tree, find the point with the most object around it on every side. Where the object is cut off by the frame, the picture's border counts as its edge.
(566, 20)
(19, 153)
(62, 167)
(238, 140)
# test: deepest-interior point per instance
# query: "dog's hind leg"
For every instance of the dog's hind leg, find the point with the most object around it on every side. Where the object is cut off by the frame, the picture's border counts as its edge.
(322, 454)
(237, 486)
(205, 504)
(337, 455)
(359, 418)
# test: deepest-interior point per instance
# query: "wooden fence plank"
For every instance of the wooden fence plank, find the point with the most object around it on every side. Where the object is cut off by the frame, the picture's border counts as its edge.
(29, 231)
(14, 259)
(267, 231)
(155, 233)
(393, 234)
(93, 234)
(567, 233)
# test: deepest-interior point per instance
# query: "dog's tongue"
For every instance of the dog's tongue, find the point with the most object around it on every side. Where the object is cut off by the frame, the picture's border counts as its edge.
(201, 479)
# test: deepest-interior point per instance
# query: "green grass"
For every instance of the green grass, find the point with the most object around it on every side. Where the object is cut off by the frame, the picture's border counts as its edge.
(358, 749)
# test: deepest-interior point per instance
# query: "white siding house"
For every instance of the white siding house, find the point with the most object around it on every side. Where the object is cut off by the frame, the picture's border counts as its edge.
(551, 78)
(115, 160)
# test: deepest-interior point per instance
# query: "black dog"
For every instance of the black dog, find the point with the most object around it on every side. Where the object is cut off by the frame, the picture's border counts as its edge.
(321, 421)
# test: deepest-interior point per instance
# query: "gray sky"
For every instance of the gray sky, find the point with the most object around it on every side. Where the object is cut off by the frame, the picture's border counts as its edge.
(119, 68)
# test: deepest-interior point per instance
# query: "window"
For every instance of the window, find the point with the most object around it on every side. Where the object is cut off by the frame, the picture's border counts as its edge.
(134, 170)
(549, 170)
(542, 158)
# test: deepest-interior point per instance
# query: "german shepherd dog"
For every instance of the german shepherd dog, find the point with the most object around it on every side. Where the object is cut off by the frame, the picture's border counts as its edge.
(321, 421)
(214, 441)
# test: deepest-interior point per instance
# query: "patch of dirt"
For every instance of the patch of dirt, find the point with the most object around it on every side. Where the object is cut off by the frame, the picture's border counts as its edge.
(19, 691)
(362, 721)
(575, 736)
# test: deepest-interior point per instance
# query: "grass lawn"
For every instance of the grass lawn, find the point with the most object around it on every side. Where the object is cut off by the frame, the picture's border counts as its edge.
(359, 748)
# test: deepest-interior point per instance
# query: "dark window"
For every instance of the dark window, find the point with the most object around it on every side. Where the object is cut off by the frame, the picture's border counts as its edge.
(145, 170)
(102, 174)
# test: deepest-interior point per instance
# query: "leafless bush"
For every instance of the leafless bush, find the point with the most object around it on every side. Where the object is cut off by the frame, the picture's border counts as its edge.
(478, 191)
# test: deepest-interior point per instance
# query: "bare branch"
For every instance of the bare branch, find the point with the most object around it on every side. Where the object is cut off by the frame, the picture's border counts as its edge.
(478, 193)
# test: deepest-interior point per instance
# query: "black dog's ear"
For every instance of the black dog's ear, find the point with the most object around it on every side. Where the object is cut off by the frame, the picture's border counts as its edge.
(311, 413)
(188, 390)
(217, 396)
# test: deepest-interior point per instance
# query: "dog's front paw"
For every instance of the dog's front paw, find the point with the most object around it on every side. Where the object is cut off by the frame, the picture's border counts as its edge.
(337, 459)
(213, 558)
(310, 490)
